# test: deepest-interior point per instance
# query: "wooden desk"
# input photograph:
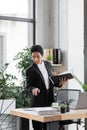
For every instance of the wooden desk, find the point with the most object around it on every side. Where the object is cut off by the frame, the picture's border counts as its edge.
(50, 119)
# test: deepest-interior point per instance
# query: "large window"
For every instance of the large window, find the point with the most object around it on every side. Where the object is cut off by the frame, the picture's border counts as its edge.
(17, 26)
(17, 8)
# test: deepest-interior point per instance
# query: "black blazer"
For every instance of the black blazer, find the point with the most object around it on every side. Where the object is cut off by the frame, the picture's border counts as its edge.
(34, 79)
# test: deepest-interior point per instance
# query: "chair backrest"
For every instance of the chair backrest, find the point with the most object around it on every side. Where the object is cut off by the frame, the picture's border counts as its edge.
(69, 96)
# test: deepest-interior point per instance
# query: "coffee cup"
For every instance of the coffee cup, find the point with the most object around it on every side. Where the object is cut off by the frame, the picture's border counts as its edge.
(55, 104)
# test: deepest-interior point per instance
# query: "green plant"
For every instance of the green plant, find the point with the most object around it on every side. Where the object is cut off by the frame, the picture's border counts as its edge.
(22, 97)
(23, 59)
(83, 85)
(7, 84)
(62, 105)
(62, 108)
(49, 58)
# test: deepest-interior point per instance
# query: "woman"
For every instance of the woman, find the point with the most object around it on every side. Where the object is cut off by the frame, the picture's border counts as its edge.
(40, 84)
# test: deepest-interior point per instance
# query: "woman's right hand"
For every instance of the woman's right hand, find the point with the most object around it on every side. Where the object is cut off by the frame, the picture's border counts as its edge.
(35, 91)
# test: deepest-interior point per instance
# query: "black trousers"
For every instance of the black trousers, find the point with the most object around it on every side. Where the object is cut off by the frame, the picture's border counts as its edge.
(38, 125)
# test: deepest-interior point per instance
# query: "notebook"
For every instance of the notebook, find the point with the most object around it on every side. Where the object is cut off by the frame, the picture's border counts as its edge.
(82, 101)
(56, 78)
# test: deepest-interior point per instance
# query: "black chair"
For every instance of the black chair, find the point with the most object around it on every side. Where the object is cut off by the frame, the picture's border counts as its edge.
(69, 97)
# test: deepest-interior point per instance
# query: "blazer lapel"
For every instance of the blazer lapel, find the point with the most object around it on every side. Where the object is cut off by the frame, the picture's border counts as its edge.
(49, 74)
(39, 72)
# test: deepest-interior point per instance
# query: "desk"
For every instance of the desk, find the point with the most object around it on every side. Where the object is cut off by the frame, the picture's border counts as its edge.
(50, 119)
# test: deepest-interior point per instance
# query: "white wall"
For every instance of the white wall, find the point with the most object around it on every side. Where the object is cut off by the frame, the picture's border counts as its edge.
(66, 31)
(47, 23)
(76, 39)
(76, 44)
(2, 49)
(43, 23)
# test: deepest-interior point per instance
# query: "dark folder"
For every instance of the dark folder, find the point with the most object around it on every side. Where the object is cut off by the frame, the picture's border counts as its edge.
(58, 77)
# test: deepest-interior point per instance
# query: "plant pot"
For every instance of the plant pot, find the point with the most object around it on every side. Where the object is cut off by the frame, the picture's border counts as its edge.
(62, 110)
(6, 105)
(6, 120)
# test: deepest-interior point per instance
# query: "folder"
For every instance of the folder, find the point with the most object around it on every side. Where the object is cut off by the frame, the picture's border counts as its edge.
(66, 74)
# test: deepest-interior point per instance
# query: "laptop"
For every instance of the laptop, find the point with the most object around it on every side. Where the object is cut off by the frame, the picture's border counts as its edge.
(82, 101)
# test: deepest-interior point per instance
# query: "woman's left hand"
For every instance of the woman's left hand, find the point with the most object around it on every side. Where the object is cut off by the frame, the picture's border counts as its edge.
(62, 81)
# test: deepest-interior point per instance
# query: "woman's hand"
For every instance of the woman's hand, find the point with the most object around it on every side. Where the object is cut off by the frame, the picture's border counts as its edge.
(35, 91)
(62, 81)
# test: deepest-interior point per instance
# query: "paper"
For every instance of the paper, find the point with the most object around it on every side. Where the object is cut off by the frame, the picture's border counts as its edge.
(43, 110)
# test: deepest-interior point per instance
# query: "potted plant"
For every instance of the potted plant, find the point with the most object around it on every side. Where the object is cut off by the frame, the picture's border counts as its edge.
(23, 61)
(48, 55)
(49, 58)
(7, 88)
(7, 96)
(6, 83)
(62, 108)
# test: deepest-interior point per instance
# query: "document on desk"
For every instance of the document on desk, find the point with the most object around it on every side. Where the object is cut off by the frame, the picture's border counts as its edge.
(43, 110)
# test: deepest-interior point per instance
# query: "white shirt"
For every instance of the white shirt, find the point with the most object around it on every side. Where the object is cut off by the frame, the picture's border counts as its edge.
(44, 73)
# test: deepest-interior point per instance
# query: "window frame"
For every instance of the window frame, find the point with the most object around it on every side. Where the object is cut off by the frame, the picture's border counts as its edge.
(22, 19)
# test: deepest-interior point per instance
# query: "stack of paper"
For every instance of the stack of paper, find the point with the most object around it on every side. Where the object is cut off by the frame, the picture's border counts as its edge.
(43, 110)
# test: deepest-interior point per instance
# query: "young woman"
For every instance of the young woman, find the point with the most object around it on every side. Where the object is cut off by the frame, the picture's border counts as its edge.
(39, 83)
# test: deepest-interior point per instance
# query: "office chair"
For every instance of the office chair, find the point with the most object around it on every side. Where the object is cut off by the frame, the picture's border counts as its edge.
(70, 97)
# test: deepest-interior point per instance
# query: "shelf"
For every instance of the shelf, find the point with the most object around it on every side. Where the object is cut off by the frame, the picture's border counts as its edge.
(56, 65)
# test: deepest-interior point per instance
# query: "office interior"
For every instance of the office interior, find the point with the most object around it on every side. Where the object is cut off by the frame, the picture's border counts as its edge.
(50, 23)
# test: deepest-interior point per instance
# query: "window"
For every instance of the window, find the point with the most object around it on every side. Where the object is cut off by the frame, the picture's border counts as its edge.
(17, 8)
(17, 24)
